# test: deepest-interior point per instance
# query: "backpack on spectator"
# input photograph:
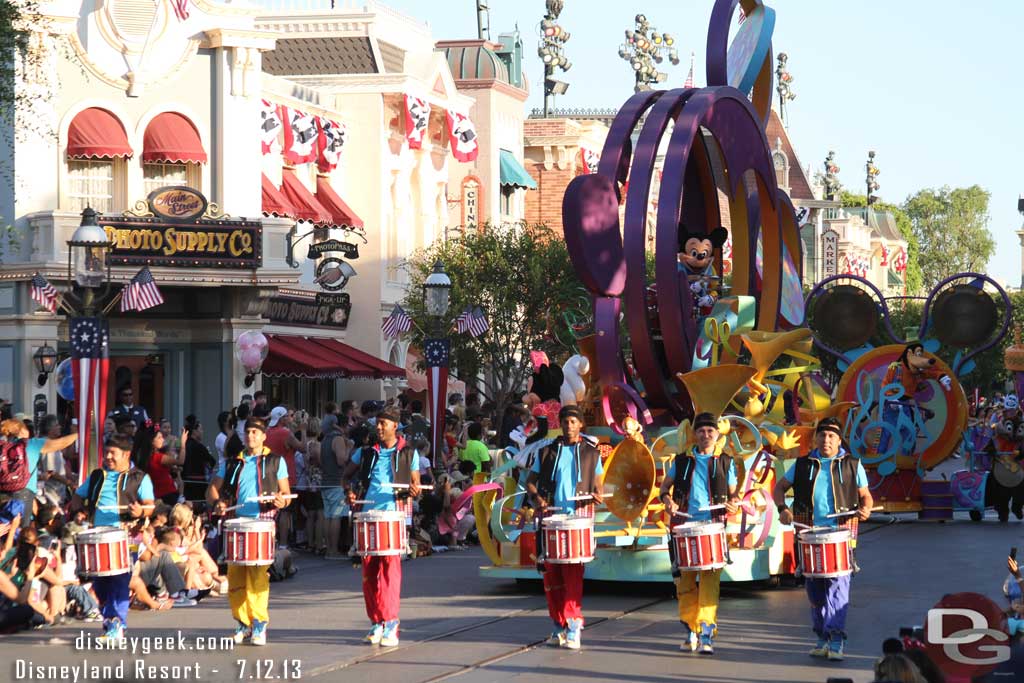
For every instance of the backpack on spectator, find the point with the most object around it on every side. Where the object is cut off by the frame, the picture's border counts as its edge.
(14, 474)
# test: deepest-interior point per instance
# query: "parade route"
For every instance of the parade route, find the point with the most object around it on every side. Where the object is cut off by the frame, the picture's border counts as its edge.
(457, 626)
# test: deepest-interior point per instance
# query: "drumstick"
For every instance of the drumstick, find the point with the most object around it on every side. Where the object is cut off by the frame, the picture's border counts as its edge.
(124, 507)
(854, 512)
(427, 487)
(805, 527)
(712, 507)
(268, 499)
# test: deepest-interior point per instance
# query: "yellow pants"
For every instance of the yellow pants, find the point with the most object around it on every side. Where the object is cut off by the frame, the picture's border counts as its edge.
(249, 593)
(698, 605)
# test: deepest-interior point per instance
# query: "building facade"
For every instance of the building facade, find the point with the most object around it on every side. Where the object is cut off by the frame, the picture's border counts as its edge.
(290, 122)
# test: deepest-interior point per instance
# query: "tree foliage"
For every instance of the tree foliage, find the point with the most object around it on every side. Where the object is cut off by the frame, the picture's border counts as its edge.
(951, 227)
(915, 279)
(522, 277)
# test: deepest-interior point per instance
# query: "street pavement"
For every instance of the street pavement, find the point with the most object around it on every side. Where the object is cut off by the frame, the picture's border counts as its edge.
(457, 626)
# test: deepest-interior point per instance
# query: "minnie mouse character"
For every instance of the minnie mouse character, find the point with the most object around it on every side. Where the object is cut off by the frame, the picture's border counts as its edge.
(696, 260)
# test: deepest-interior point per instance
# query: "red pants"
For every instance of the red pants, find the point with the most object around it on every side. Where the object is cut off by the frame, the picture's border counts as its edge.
(563, 587)
(382, 587)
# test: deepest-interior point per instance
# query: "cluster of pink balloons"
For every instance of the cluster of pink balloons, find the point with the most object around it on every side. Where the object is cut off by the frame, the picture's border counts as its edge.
(251, 350)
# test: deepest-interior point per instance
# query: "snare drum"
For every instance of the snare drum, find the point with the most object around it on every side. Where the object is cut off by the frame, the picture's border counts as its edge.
(568, 540)
(379, 532)
(700, 546)
(103, 551)
(825, 554)
(249, 542)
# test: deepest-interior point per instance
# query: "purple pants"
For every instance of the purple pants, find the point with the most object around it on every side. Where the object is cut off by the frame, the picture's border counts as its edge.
(112, 592)
(830, 598)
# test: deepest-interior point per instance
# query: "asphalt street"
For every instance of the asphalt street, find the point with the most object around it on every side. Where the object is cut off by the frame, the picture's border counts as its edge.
(458, 626)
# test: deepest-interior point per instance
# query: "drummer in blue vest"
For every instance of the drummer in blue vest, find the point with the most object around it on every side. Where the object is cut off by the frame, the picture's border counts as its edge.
(826, 482)
(697, 481)
(112, 495)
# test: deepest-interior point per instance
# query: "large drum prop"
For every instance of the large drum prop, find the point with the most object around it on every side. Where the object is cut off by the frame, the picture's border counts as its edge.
(700, 546)
(103, 551)
(249, 542)
(380, 532)
(568, 540)
(826, 554)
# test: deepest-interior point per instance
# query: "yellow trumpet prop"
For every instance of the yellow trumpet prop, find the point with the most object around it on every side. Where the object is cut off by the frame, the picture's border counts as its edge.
(713, 388)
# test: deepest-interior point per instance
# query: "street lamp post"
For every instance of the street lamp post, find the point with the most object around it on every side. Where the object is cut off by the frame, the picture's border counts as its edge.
(552, 39)
(437, 351)
(45, 359)
(645, 47)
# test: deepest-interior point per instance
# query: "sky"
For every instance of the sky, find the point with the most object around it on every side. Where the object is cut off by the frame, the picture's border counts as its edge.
(934, 88)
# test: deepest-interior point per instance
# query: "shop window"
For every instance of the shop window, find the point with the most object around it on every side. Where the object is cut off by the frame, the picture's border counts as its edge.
(96, 183)
(161, 174)
(508, 200)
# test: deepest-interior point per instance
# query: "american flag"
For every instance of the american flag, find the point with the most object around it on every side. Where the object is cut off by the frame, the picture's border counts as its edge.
(43, 293)
(435, 354)
(743, 16)
(689, 76)
(90, 365)
(396, 323)
(141, 293)
(478, 322)
(462, 322)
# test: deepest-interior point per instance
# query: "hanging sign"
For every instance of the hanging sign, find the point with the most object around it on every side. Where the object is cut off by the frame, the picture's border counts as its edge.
(318, 249)
(830, 252)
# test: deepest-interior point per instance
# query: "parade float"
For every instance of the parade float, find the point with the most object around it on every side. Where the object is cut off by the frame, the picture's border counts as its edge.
(910, 412)
(680, 339)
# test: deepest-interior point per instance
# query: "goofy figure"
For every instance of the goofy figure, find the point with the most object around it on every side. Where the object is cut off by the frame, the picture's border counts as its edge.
(910, 373)
(696, 262)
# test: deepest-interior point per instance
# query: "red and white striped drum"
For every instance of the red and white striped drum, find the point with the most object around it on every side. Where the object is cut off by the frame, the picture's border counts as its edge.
(700, 546)
(103, 551)
(825, 554)
(249, 542)
(568, 539)
(405, 505)
(380, 532)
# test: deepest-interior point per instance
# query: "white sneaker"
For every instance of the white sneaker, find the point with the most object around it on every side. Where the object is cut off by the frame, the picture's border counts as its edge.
(389, 638)
(689, 643)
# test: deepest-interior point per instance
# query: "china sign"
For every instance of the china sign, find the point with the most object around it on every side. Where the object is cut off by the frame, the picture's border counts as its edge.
(173, 232)
(830, 253)
(471, 201)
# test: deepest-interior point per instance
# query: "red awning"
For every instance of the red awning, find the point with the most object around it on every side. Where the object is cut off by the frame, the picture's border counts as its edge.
(172, 138)
(342, 214)
(97, 134)
(274, 203)
(318, 358)
(306, 206)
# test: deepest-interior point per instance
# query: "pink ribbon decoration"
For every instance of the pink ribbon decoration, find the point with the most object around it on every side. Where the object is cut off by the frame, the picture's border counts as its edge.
(447, 521)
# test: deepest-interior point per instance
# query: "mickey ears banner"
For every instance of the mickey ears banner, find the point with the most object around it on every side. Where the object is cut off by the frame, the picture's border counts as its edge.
(307, 137)
(417, 117)
(462, 133)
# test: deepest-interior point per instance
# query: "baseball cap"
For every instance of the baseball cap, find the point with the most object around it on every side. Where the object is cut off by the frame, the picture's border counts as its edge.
(389, 414)
(276, 414)
(704, 420)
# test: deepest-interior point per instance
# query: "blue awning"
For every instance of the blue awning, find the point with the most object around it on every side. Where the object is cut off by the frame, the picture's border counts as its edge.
(513, 174)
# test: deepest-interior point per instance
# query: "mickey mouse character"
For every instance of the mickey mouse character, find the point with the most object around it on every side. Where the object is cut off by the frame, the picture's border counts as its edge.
(696, 261)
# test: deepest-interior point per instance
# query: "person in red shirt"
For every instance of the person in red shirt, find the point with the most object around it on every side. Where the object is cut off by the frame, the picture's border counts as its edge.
(150, 456)
(281, 440)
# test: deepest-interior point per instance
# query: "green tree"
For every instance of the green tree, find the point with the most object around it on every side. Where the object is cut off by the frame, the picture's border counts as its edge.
(522, 277)
(915, 279)
(951, 226)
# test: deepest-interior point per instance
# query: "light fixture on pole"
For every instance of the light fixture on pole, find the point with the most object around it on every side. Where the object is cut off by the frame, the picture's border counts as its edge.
(436, 291)
(552, 38)
(87, 258)
(645, 47)
(784, 79)
(871, 172)
(832, 184)
(45, 359)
